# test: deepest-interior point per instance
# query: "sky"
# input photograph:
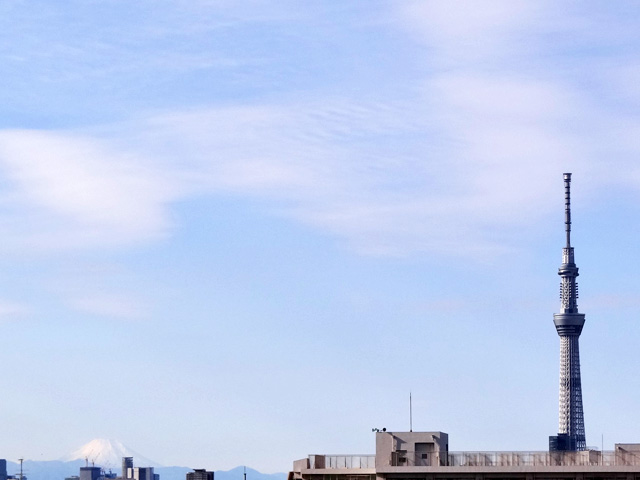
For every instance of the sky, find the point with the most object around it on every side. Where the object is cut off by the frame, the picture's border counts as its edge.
(238, 233)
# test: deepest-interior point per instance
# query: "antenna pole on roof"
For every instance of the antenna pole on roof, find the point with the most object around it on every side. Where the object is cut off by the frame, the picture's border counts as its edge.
(410, 413)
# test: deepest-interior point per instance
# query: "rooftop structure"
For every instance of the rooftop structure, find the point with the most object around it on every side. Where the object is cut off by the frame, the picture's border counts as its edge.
(200, 474)
(127, 463)
(90, 473)
(425, 456)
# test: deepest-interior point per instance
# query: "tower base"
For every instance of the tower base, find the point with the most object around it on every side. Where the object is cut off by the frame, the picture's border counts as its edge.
(562, 443)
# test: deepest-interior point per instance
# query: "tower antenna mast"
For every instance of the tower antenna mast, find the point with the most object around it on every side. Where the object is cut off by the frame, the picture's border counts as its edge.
(567, 207)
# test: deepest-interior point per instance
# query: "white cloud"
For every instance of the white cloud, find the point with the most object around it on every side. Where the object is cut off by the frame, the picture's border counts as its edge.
(469, 32)
(10, 310)
(379, 199)
(477, 152)
(354, 170)
(71, 191)
(106, 304)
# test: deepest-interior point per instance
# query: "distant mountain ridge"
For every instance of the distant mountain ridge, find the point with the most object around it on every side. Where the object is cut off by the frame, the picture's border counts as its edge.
(108, 454)
(59, 470)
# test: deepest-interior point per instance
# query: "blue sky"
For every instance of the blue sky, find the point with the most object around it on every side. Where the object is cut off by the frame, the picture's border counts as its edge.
(242, 232)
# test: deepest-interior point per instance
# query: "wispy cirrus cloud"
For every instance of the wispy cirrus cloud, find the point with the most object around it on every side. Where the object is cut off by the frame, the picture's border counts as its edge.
(387, 176)
(10, 310)
(108, 305)
(462, 33)
(378, 195)
(66, 191)
(339, 166)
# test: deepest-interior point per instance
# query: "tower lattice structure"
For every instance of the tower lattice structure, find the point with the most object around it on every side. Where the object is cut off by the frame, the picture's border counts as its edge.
(569, 323)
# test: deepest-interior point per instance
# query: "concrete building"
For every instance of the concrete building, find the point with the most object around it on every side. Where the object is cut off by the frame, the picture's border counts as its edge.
(426, 456)
(127, 463)
(129, 472)
(90, 473)
(199, 474)
(142, 473)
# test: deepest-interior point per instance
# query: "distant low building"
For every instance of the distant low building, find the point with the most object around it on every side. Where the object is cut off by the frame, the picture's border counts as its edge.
(90, 473)
(127, 463)
(129, 472)
(199, 474)
(142, 473)
(93, 473)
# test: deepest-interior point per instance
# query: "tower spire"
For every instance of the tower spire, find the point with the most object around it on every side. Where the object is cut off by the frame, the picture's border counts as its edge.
(567, 207)
(569, 323)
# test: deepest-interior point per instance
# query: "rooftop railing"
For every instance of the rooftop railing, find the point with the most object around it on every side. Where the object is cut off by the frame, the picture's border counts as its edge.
(481, 459)
(342, 461)
(509, 459)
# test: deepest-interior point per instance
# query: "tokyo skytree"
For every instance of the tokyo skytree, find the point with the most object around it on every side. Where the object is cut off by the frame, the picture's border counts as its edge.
(569, 323)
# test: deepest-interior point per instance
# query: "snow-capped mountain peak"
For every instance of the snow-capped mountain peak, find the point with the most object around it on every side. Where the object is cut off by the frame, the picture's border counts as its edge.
(108, 454)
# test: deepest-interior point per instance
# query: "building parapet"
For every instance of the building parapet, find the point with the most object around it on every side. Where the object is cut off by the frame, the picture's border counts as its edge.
(542, 459)
(341, 461)
(619, 457)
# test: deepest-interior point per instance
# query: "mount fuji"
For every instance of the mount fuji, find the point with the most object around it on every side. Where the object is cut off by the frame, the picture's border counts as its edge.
(108, 455)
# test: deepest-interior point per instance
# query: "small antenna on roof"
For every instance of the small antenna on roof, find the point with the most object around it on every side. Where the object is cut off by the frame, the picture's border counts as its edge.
(410, 413)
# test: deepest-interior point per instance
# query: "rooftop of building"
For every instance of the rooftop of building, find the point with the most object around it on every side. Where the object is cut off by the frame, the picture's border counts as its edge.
(414, 452)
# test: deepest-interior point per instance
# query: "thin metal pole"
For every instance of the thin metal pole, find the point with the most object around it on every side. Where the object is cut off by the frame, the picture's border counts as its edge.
(410, 414)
